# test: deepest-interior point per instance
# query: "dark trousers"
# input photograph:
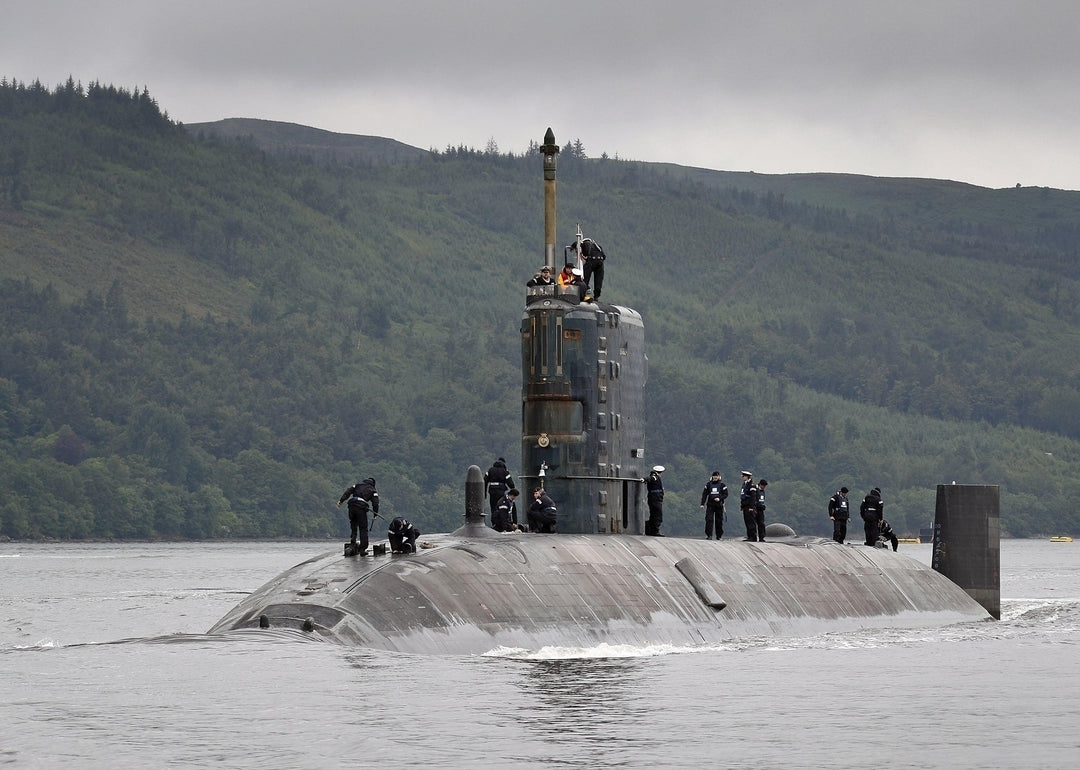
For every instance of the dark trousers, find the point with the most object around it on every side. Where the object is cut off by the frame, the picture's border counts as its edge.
(594, 267)
(358, 524)
(402, 543)
(714, 516)
(656, 517)
(543, 522)
(839, 530)
(750, 519)
(891, 537)
(871, 528)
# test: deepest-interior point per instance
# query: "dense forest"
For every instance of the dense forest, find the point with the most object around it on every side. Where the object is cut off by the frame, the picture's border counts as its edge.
(203, 338)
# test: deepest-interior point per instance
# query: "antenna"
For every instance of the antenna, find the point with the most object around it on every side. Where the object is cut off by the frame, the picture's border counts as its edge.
(549, 150)
(577, 247)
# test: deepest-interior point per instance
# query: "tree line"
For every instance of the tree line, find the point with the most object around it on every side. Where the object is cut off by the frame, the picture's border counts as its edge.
(276, 334)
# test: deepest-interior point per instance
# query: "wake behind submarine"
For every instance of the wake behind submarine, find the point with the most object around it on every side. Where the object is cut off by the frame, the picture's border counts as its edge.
(600, 580)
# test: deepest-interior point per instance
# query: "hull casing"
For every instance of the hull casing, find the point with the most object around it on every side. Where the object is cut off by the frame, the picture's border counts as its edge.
(474, 595)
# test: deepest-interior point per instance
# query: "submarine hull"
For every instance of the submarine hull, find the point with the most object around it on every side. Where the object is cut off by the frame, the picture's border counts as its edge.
(471, 596)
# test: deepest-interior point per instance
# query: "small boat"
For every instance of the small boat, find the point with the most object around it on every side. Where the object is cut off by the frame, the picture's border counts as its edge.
(909, 540)
(1061, 539)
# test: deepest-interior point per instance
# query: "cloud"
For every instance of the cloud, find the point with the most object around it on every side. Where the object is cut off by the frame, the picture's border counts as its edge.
(975, 90)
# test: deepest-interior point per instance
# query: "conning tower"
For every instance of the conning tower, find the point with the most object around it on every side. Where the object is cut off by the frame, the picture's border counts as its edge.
(582, 421)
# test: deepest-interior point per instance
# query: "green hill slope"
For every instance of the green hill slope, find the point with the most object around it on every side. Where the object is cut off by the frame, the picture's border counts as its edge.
(202, 337)
(306, 143)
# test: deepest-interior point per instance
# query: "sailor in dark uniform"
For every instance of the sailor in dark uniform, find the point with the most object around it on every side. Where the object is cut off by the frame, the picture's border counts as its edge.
(505, 517)
(592, 263)
(542, 278)
(543, 515)
(655, 498)
(362, 497)
(498, 482)
(759, 510)
(712, 500)
(872, 511)
(885, 533)
(402, 535)
(748, 505)
(839, 513)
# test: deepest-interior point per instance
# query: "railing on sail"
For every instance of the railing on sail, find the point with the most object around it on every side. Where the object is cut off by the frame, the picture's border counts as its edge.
(576, 248)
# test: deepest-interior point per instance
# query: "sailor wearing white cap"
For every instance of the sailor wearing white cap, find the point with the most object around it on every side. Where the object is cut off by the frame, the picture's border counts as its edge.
(655, 498)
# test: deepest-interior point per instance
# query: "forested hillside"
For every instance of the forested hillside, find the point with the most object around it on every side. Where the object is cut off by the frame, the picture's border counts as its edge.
(201, 339)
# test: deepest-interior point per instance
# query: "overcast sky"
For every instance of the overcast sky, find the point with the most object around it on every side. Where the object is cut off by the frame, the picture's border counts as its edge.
(980, 91)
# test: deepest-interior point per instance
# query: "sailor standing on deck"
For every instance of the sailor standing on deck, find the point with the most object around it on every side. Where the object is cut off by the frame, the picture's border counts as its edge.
(748, 505)
(655, 497)
(499, 481)
(361, 497)
(759, 510)
(592, 262)
(712, 500)
(839, 513)
(872, 511)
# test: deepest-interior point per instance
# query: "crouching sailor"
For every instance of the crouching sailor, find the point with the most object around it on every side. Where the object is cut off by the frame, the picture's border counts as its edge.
(402, 536)
(505, 518)
(542, 513)
(361, 497)
(886, 535)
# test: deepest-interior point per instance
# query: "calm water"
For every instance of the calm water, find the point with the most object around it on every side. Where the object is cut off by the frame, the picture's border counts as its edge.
(103, 664)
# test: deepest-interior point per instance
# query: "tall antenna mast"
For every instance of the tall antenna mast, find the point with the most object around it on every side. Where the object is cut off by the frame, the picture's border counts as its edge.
(550, 150)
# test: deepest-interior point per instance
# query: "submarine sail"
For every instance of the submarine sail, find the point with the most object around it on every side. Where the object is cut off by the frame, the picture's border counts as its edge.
(583, 374)
(582, 435)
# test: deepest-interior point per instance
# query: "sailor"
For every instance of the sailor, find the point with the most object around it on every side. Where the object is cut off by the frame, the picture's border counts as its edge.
(872, 511)
(505, 517)
(542, 278)
(712, 500)
(759, 510)
(566, 277)
(402, 535)
(570, 281)
(839, 513)
(885, 533)
(543, 515)
(748, 505)
(361, 497)
(592, 260)
(655, 497)
(499, 481)
(747, 499)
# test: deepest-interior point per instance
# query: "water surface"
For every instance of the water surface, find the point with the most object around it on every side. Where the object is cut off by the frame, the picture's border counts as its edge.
(104, 663)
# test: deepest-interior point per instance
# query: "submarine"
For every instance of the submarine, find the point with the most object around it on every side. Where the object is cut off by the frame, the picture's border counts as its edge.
(600, 579)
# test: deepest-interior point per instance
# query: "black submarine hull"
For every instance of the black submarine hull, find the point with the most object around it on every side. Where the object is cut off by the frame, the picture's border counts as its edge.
(463, 595)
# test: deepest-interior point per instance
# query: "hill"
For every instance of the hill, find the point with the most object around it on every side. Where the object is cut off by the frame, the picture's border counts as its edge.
(316, 145)
(203, 337)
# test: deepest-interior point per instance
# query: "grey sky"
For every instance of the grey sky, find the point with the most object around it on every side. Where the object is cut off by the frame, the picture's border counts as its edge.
(977, 91)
